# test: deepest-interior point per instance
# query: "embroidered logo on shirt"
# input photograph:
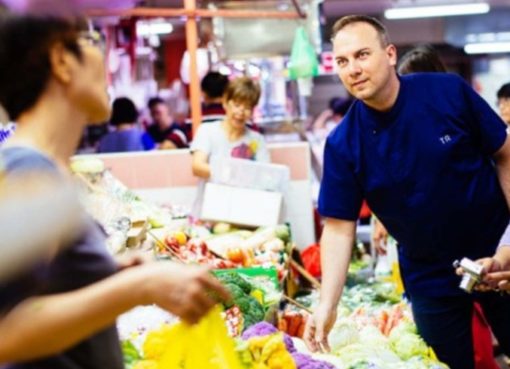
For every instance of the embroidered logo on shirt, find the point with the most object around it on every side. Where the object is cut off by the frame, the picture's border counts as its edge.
(445, 139)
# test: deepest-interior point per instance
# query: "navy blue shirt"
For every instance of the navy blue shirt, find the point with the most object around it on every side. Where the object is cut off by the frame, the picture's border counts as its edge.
(425, 168)
(84, 262)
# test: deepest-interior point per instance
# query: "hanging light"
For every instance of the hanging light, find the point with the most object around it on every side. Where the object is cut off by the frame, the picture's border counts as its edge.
(436, 11)
(487, 48)
(153, 27)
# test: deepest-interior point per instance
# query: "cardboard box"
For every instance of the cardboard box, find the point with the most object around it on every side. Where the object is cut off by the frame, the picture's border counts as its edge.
(242, 206)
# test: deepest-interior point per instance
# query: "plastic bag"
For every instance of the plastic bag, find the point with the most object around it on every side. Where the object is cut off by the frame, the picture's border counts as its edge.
(311, 257)
(303, 60)
(183, 346)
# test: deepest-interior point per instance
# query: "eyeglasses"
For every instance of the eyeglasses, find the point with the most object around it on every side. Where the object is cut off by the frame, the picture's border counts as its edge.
(93, 38)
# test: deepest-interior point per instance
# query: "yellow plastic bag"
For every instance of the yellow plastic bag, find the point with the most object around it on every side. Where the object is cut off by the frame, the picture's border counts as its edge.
(182, 346)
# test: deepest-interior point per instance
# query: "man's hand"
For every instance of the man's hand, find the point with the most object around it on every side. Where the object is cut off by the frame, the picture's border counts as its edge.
(379, 237)
(184, 290)
(318, 327)
(133, 258)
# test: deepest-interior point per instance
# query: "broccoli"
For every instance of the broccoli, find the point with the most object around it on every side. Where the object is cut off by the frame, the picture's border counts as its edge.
(239, 288)
(235, 278)
(252, 311)
(236, 293)
(256, 310)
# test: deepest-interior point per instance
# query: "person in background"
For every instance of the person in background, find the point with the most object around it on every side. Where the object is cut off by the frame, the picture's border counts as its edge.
(423, 58)
(60, 313)
(499, 277)
(230, 137)
(126, 136)
(503, 96)
(213, 87)
(432, 160)
(166, 133)
(331, 117)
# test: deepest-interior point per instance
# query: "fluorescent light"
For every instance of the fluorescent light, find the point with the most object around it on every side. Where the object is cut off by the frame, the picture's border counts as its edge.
(153, 28)
(436, 11)
(487, 48)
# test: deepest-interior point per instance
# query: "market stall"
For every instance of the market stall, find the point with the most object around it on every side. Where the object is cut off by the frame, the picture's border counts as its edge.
(263, 324)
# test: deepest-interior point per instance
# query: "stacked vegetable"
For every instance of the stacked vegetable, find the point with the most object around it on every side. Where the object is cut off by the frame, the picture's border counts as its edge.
(375, 331)
(223, 246)
(263, 346)
(245, 297)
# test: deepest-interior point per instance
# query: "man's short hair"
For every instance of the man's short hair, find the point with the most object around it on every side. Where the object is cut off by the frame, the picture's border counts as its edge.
(153, 101)
(214, 84)
(243, 89)
(25, 44)
(504, 91)
(352, 19)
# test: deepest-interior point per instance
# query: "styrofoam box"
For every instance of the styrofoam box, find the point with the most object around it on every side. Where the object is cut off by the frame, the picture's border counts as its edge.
(249, 174)
(242, 206)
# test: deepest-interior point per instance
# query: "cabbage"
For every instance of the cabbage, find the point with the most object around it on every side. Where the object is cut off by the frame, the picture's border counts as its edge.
(424, 363)
(332, 359)
(402, 328)
(407, 345)
(363, 364)
(282, 232)
(371, 336)
(383, 358)
(343, 333)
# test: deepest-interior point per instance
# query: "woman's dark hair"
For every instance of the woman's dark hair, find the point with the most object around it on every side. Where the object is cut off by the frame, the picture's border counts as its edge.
(25, 43)
(340, 105)
(123, 111)
(504, 91)
(423, 58)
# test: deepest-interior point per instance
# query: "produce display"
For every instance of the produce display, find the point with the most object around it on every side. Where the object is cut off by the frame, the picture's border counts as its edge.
(374, 330)
(222, 246)
(121, 213)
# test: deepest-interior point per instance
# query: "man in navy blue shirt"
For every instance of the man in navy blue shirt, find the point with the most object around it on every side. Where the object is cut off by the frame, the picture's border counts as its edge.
(433, 161)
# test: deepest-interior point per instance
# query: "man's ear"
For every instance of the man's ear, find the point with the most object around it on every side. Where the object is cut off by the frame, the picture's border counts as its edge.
(391, 51)
(61, 61)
